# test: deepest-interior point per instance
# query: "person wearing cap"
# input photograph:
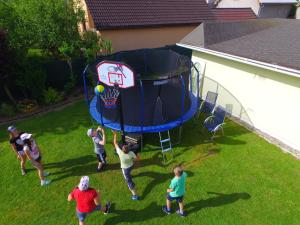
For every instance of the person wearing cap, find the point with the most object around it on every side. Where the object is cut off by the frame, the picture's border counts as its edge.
(176, 191)
(87, 200)
(98, 137)
(34, 155)
(127, 159)
(17, 146)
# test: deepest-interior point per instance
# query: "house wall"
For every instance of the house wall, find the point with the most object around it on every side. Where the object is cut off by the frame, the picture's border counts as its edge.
(254, 4)
(267, 100)
(275, 10)
(129, 39)
(89, 23)
(298, 13)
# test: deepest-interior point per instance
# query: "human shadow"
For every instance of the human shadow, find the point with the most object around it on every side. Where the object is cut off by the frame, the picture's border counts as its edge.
(68, 163)
(157, 178)
(156, 159)
(73, 167)
(133, 216)
(86, 165)
(219, 200)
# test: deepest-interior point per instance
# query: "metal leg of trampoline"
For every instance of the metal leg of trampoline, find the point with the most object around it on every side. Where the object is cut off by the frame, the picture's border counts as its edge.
(142, 143)
(180, 134)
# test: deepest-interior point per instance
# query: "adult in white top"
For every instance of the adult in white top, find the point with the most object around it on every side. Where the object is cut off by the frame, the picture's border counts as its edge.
(127, 159)
(34, 155)
(17, 146)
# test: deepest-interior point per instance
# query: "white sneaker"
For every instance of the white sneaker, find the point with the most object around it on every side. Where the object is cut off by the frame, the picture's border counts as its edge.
(23, 172)
(45, 182)
(46, 174)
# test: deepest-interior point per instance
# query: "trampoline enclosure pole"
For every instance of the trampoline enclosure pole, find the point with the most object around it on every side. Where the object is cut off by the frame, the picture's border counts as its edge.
(84, 75)
(121, 118)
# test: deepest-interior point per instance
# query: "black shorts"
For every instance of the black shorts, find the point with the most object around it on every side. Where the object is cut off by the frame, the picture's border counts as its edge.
(39, 159)
(101, 157)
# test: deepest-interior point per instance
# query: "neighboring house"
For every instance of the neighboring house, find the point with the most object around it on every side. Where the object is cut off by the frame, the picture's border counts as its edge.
(262, 8)
(297, 16)
(132, 24)
(255, 67)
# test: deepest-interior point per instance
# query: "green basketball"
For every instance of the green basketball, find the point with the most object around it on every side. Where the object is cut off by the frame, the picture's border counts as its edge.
(99, 88)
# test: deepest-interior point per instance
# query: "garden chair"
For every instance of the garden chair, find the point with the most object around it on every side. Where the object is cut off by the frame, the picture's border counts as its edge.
(207, 106)
(215, 122)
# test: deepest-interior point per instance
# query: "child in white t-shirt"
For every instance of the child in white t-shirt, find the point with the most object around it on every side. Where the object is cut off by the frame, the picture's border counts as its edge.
(32, 152)
(127, 159)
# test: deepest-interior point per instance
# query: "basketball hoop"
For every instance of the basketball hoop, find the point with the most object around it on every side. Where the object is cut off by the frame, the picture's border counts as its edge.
(110, 97)
(115, 73)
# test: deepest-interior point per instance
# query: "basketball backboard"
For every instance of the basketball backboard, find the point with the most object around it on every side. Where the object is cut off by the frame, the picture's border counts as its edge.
(115, 73)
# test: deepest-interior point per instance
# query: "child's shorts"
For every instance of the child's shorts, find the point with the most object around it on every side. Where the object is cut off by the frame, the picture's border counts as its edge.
(81, 216)
(39, 159)
(178, 199)
(101, 157)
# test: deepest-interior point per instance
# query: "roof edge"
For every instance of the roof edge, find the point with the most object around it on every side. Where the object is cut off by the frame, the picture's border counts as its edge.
(264, 65)
(121, 27)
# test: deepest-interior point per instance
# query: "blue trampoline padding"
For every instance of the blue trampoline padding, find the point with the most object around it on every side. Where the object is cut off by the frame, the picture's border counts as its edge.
(144, 129)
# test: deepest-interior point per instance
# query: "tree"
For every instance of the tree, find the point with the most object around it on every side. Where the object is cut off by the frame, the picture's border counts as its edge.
(52, 26)
(7, 62)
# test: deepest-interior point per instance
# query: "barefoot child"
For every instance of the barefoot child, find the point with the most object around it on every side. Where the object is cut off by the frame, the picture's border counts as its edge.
(176, 191)
(99, 140)
(87, 200)
(127, 159)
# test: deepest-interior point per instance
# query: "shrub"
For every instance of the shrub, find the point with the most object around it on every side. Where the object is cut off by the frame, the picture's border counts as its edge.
(70, 85)
(27, 105)
(52, 96)
(33, 79)
(7, 110)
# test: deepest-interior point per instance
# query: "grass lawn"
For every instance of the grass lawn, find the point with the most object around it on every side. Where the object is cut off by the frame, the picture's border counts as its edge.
(240, 179)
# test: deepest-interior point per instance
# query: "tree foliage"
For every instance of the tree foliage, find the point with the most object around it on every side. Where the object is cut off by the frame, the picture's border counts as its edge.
(50, 25)
(7, 59)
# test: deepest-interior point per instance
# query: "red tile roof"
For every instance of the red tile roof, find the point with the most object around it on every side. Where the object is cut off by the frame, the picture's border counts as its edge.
(233, 14)
(118, 14)
(108, 14)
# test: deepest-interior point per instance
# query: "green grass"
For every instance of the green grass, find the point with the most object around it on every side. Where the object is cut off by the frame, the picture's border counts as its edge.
(239, 179)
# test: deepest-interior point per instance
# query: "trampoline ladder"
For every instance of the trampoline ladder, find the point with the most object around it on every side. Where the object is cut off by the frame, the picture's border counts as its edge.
(165, 144)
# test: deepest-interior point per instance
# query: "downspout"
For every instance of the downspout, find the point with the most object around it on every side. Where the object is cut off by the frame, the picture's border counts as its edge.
(261, 6)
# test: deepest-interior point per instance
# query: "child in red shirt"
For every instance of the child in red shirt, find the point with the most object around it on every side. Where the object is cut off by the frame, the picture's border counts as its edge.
(87, 199)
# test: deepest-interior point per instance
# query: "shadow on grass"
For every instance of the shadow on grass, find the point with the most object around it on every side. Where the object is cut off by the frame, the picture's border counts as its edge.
(157, 178)
(58, 122)
(87, 165)
(220, 199)
(73, 167)
(133, 216)
(194, 134)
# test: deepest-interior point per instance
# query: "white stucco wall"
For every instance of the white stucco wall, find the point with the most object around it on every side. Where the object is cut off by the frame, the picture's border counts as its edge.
(298, 12)
(265, 99)
(254, 4)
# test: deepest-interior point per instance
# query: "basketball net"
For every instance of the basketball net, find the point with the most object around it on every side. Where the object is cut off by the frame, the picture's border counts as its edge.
(110, 97)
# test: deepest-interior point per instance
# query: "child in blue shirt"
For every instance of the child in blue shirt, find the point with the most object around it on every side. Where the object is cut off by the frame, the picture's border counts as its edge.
(176, 191)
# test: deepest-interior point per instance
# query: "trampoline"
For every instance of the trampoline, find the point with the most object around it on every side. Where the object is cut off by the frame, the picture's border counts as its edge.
(165, 94)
